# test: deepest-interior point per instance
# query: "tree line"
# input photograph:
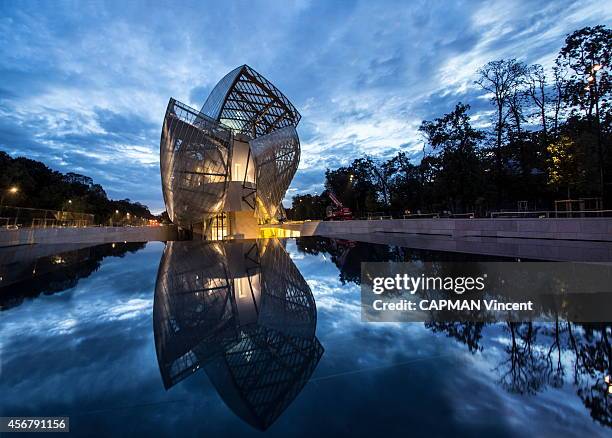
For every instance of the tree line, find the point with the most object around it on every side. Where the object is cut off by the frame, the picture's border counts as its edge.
(548, 140)
(30, 183)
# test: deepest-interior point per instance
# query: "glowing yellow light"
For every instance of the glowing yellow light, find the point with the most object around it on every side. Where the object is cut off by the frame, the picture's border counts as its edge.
(596, 67)
(590, 79)
(113, 245)
(607, 379)
(116, 211)
(13, 189)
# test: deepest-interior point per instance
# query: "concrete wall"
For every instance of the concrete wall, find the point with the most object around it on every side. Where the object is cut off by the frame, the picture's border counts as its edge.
(535, 249)
(94, 235)
(589, 229)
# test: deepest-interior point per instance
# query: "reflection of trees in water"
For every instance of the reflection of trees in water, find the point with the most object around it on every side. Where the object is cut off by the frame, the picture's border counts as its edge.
(348, 255)
(536, 356)
(468, 333)
(543, 354)
(524, 370)
(54, 273)
(593, 362)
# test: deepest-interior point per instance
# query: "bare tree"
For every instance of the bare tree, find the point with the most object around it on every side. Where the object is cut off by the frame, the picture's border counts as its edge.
(515, 103)
(501, 78)
(536, 90)
(559, 74)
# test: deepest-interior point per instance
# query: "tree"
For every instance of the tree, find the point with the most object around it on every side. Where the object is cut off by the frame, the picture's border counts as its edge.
(559, 76)
(405, 184)
(587, 53)
(361, 186)
(536, 90)
(565, 164)
(307, 207)
(43, 188)
(453, 137)
(501, 79)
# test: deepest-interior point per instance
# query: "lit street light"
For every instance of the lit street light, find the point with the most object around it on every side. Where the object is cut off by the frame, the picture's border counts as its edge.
(11, 191)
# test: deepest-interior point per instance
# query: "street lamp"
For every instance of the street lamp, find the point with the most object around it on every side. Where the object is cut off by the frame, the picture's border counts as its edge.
(11, 191)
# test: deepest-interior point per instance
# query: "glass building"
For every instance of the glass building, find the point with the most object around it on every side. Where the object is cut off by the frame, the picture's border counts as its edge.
(226, 168)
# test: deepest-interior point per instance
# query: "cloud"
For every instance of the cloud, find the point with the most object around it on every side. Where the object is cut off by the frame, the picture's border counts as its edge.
(86, 89)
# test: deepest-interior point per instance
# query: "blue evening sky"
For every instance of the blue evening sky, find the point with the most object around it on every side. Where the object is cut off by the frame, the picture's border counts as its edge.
(84, 85)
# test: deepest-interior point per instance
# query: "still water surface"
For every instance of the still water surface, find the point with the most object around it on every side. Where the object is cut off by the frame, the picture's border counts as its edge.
(119, 339)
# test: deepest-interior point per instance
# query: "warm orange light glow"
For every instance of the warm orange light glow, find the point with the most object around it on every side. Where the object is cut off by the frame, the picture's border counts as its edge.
(596, 67)
(14, 189)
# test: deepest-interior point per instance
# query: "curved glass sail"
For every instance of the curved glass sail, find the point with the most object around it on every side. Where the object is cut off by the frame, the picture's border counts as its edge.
(216, 99)
(277, 156)
(195, 153)
(243, 312)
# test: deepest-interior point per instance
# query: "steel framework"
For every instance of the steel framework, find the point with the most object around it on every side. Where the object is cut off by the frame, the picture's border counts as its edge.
(248, 103)
(258, 361)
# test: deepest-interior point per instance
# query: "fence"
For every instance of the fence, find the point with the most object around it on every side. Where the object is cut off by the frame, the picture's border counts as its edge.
(439, 215)
(546, 214)
(21, 217)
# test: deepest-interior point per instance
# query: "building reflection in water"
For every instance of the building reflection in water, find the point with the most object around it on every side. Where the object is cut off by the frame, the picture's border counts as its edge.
(243, 312)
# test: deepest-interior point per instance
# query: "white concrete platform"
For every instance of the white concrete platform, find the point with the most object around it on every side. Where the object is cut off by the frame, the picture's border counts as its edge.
(586, 229)
(26, 236)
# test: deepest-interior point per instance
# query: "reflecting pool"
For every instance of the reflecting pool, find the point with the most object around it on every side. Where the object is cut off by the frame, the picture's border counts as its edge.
(234, 338)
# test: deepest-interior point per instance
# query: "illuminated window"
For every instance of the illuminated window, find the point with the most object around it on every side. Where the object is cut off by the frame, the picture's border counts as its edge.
(219, 228)
(239, 289)
(237, 172)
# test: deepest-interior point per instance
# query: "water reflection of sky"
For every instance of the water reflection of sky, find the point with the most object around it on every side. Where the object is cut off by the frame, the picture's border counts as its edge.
(88, 352)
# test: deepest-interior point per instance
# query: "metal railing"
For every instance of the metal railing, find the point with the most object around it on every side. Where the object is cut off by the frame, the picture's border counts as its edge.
(421, 216)
(547, 214)
(439, 215)
(377, 216)
(22, 217)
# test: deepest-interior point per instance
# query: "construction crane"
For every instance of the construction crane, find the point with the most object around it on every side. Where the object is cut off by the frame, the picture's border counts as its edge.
(337, 212)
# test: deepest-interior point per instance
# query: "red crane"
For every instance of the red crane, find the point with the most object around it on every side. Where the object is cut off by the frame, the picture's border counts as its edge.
(337, 212)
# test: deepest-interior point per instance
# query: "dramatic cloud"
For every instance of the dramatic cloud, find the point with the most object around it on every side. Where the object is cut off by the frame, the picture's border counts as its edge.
(85, 88)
